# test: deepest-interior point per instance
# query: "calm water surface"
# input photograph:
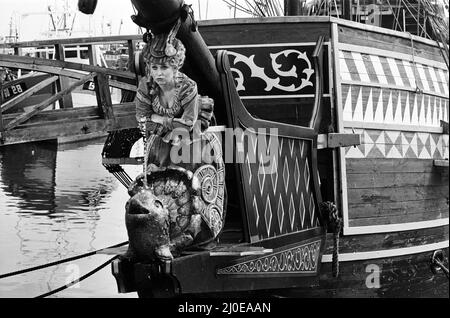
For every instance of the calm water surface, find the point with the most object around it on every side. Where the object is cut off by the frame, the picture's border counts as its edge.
(58, 201)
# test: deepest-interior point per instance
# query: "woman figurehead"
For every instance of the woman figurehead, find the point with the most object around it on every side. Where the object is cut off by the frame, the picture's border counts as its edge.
(164, 51)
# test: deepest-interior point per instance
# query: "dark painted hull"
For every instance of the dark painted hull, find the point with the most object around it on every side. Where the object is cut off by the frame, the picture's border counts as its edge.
(400, 277)
(388, 239)
(16, 87)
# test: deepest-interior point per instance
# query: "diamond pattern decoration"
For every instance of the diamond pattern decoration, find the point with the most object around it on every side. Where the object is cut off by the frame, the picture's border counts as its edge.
(280, 212)
(255, 209)
(286, 174)
(399, 144)
(302, 209)
(280, 145)
(312, 209)
(291, 212)
(306, 173)
(247, 161)
(297, 176)
(280, 195)
(268, 216)
(261, 175)
(274, 174)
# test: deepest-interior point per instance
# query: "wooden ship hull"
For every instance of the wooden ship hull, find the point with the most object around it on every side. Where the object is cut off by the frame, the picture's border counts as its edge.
(361, 114)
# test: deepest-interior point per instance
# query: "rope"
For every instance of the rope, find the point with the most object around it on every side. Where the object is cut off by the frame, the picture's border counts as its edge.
(335, 260)
(418, 90)
(437, 262)
(23, 271)
(76, 281)
(442, 266)
(334, 222)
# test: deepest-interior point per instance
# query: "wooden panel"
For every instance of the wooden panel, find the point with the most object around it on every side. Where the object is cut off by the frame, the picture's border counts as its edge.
(403, 276)
(398, 219)
(390, 194)
(411, 211)
(388, 166)
(393, 191)
(66, 128)
(387, 42)
(397, 179)
(257, 33)
(383, 241)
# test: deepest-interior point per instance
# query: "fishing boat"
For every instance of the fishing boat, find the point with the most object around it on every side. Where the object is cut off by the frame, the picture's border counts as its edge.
(355, 201)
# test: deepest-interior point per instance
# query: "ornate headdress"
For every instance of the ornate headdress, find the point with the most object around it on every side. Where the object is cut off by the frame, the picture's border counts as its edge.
(164, 47)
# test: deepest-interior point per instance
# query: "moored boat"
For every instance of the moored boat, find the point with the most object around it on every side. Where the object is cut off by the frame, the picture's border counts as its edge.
(362, 119)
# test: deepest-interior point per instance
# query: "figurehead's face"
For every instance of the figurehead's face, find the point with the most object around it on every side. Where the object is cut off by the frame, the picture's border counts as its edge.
(162, 73)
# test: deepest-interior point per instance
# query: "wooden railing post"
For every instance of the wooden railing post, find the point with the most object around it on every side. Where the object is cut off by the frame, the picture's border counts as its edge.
(1, 117)
(130, 50)
(92, 56)
(104, 96)
(62, 83)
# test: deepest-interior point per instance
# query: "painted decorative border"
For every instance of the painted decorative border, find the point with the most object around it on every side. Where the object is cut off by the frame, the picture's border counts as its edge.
(398, 144)
(350, 257)
(392, 107)
(296, 260)
(393, 71)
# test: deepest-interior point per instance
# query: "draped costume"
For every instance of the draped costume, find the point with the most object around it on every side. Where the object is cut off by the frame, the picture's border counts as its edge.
(182, 115)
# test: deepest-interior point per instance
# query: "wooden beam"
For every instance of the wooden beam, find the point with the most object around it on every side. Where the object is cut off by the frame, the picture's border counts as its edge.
(68, 73)
(92, 56)
(336, 140)
(14, 123)
(122, 85)
(440, 163)
(76, 41)
(104, 96)
(62, 83)
(28, 63)
(1, 118)
(28, 93)
(395, 127)
(444, 125)
(45, 69)
(66, 128)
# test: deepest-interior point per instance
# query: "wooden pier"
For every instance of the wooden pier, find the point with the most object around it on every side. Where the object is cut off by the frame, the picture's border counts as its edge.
(44, 120)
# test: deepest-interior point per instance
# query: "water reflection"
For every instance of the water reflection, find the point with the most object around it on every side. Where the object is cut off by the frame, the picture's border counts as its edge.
(55, 203)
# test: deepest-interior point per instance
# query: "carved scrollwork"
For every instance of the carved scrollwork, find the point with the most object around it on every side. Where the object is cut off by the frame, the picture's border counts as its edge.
(271, 83)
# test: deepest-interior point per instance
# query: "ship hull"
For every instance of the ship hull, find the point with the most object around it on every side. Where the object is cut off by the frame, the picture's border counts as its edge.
(391, 189)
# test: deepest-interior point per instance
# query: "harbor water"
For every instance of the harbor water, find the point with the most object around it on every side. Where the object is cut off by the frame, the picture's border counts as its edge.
(58, 201)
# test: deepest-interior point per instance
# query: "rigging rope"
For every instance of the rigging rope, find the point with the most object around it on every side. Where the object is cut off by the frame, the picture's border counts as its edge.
(27, 270)
(76, 281)
(334, 222)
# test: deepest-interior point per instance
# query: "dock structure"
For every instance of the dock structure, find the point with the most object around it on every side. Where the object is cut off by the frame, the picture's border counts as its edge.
(55, 115)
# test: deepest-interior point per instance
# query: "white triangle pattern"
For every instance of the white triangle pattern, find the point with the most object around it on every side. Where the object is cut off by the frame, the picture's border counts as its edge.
(408, 110)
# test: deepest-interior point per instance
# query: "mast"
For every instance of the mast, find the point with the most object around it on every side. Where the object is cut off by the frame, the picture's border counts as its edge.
(291, 7)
